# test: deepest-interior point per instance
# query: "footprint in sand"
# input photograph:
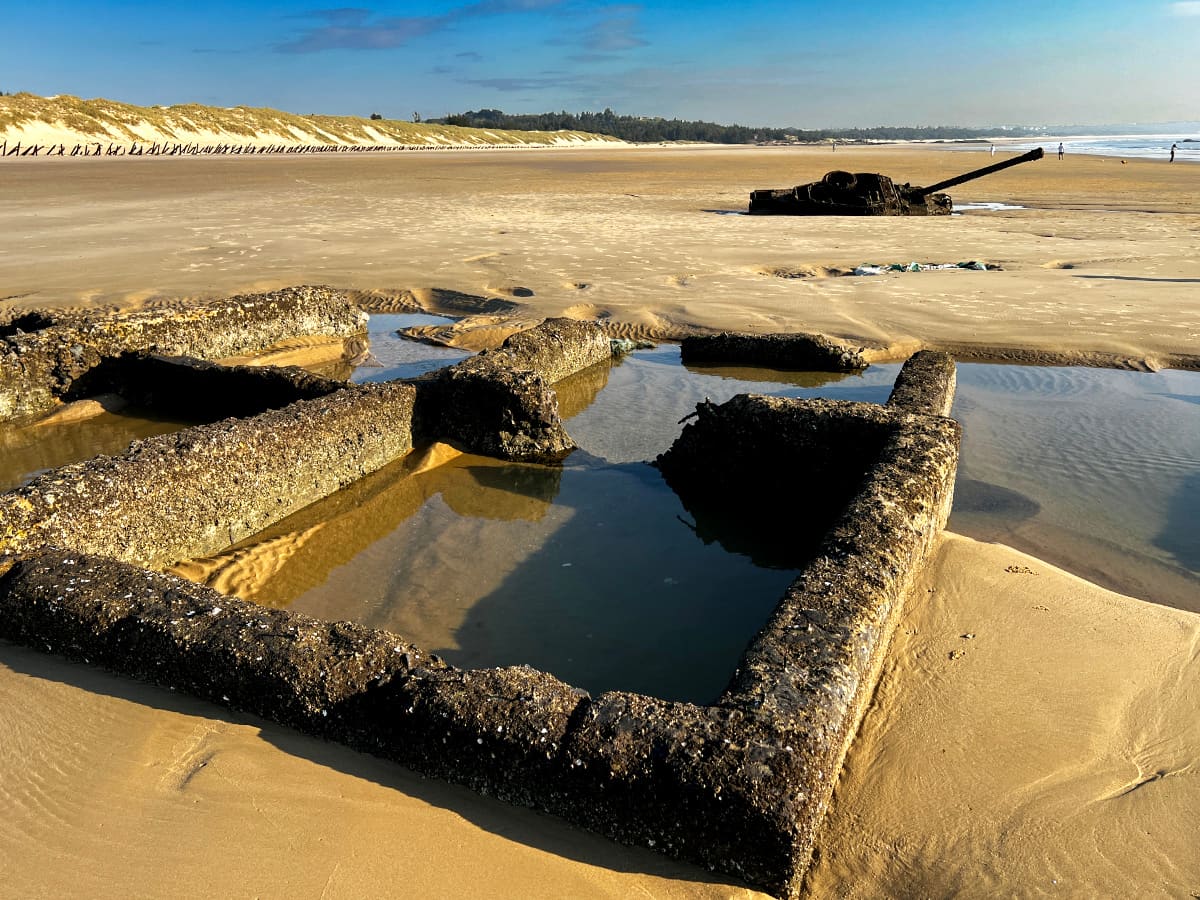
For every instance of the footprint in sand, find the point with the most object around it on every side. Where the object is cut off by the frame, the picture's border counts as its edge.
(189, 760)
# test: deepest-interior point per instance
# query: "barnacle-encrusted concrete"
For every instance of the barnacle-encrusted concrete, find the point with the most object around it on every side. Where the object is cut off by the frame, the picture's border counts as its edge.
(797, 351)
(38, 367)
(925, 384)
(198, 389)
(198, 491)
(501, 403)
(740, 786)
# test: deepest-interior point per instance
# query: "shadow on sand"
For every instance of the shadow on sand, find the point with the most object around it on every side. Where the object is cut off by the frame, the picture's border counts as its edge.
(533, 829)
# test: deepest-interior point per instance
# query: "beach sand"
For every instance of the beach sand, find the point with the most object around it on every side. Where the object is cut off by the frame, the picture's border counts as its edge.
(632, 236)
(1054, 752)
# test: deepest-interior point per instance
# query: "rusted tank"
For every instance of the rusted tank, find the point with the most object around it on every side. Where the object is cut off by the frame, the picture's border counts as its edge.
(869, 194)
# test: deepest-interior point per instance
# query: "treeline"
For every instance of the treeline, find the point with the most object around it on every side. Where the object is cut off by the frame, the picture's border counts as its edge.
(641, 129)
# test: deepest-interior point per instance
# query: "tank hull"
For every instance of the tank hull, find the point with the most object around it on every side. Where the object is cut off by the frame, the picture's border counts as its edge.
(870, 194)
(849, 194)
(787, 203)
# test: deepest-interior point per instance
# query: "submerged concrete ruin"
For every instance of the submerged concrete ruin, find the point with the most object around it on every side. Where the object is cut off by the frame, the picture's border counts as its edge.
(740, 786)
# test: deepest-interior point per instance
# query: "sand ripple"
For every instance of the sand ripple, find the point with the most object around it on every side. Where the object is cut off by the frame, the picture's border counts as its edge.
(242, 572)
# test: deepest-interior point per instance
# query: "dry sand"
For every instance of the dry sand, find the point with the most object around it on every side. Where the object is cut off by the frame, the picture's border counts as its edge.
(634, 236)
(1054, 752)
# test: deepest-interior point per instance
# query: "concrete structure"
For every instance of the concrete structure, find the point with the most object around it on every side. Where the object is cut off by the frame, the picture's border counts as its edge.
(38, 367)
(798, 351)
(740, 786)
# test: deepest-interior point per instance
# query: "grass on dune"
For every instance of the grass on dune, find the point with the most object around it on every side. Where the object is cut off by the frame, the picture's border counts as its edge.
(110, 120)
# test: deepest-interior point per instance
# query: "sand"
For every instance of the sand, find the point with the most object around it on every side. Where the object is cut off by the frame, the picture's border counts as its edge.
(1054, 752)
(632, 236)
(1031, 735)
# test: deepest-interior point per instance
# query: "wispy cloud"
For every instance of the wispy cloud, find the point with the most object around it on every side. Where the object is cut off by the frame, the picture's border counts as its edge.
(353, 28)
(613, 30)
(543, 82)
(1185, 8)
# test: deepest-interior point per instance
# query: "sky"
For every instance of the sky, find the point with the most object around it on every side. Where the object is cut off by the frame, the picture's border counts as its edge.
(802, 63)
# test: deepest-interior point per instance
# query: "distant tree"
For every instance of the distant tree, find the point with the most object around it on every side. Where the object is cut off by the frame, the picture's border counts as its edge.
(375, 117)
(653, 128)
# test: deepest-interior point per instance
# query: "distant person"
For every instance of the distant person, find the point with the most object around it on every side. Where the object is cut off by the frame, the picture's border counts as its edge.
(1173, 146)
(993, 151)
(1060, 150)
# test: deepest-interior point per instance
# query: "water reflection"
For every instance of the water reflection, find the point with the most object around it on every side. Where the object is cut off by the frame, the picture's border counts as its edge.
(579, 391)
(392, 356)
(622, 594)
(26, 452)
(758, 375)
(300, 553)
(595, 571)
(637, 415)
(1180, 536)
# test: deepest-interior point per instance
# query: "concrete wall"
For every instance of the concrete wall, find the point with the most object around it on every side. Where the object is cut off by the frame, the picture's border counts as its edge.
(37, 368)
(740, 786)
(501, 403)
(197, 491)
(796, 351)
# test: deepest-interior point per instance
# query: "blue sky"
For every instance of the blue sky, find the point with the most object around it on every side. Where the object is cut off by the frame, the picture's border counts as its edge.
(758, 62)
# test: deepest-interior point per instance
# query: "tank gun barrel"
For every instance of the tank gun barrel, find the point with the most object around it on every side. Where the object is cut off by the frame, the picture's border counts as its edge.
(1036, 153)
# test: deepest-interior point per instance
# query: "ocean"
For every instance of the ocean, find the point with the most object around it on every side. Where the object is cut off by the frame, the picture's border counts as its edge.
(1142, 146)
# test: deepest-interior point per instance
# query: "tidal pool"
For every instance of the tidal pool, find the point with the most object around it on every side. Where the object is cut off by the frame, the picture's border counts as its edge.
(27, 451)
(1094, 470)
(393, 356)
(594, 570)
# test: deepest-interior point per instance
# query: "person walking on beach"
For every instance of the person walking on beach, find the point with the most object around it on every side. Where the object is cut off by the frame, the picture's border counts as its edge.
(1173, 146)
(993, 149)
(1060, 150)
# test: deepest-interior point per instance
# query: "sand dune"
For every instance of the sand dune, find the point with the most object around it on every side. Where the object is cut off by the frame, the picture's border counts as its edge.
(27, 120)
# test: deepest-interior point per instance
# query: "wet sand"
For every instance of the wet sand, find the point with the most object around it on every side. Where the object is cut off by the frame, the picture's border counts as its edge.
(1067, 721)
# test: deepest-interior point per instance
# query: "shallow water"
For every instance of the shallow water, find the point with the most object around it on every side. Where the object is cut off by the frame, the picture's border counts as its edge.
(594, 570)
(1094, 470)
(28, 451)
(591, 571)
(393, 356)
(637, 415)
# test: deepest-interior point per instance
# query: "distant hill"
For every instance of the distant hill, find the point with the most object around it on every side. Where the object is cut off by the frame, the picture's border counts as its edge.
(650, 129)
(29, 120)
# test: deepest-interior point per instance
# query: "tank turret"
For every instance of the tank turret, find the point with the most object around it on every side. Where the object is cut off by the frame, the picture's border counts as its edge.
(869, 194)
